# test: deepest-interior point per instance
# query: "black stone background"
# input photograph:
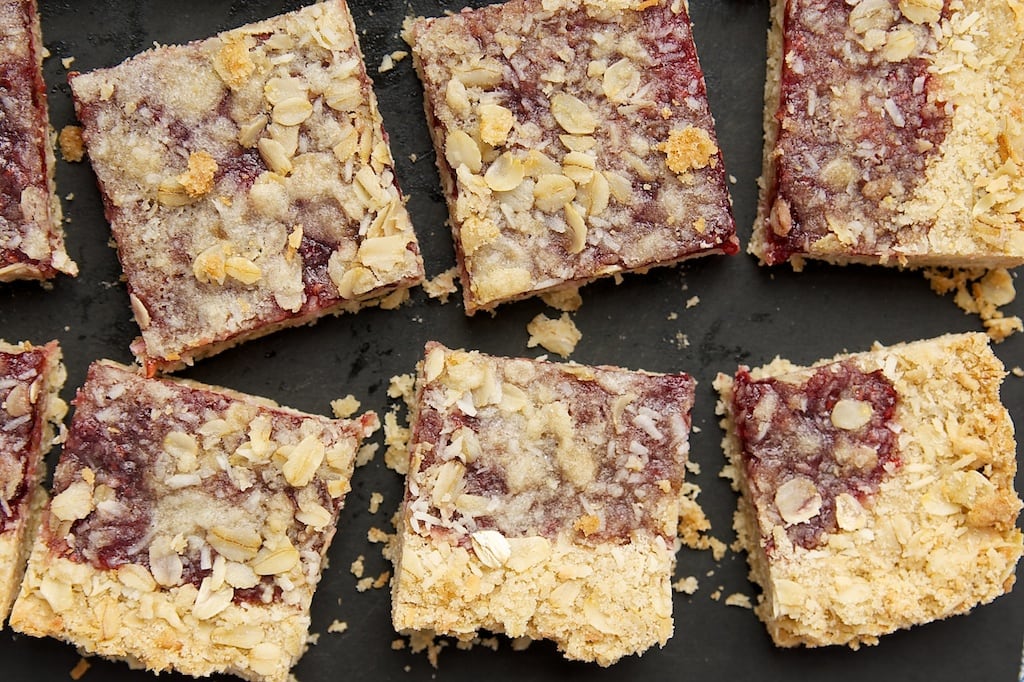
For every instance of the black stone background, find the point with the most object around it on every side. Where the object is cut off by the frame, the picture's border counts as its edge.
(746, 314)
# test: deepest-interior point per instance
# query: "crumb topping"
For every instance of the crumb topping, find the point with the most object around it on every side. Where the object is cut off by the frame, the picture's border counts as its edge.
(259, 193)
(550, 155)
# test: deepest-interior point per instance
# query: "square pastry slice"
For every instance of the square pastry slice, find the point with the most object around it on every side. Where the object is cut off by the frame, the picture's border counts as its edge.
(30, 409)
(574, 141)
(31, 233)
(893, 133)
(542, 500)
(248, 182)
(876, 488)
(188, 526)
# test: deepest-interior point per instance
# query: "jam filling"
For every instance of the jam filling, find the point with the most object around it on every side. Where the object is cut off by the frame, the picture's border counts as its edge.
(791, 431)
(19, 436)
(855, 134)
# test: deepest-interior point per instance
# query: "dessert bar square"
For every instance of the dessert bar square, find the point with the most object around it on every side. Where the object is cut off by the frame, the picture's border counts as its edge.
(893, 134)
(188, 526)
(31, 233)
(574, 141)
(30, 410)
(248, 182)
(542, 500)
(876, 488)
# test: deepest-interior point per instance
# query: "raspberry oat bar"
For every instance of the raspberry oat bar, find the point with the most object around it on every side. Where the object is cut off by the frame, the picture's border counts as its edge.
(248, 182)
(894, 133)
(542, 500)
(31, 234)
(877, 488)
(188, 526)
(574, 141)
(30, 408)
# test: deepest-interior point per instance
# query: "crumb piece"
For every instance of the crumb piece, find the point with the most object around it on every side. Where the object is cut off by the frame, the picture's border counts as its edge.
(363, 584)
(313, 638)
(521, 643)
(692, 302)
(338, 626)
(70, 196)
(739, 599)
(376, 535)
(489, 642)
(682, 340)
(402, 386)
(421, 640)
(413, 157)
(695, 429)
(357, 567)
(345, 407)
(386, 64)
(399, 55)
(381, 580)
(366, 453)
(80, 669)
(717, 594)
(693, 467)
(672, 316)
(558, 336)
(687, 585)
(1018, 371)
(398, 645)
(689, 149)
(566, 300)
(980, 292)
(66, 62)
(443, 285)
(375, 500)
(396, 438)
(693, 524)
(732, 179)
(72, 146)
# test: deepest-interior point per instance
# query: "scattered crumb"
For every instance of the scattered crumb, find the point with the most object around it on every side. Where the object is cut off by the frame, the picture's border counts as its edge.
(732, 179)
(695, 429)
(521, 643)
(693, 467)
(363, 584)
(692, 302)
(72, 146)
(443, 285)
(1018, 371)
(687, 585)
(980, 292)
(366, 453)
(558, 336)
(421, 640)
(402, 386)
(70, 196)
(738, 599)
(80, 669)
(66, 62)
(357, 567)
(381, 580)
(566, 300)
(717, 594)
(672, 316)
(46, 52)
(375, 500)
(376, 535)
(396, 438)
(682, 341)
(345, 407)
(728, 472)
(390, 60)
(693, 524)
(313, 638)
(338, 626)
(413, 157)
(398, 645)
